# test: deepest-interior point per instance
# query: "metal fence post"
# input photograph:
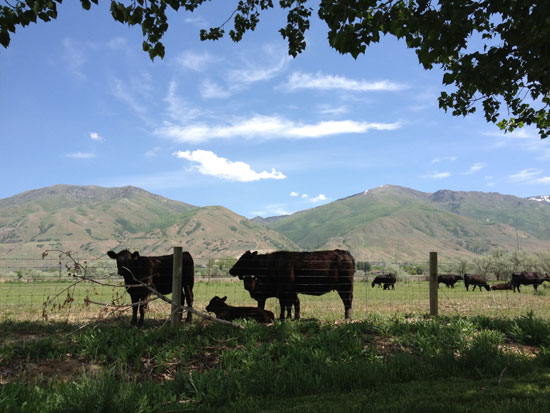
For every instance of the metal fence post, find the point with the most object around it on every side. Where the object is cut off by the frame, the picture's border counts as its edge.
(433, 284)
(175, 315)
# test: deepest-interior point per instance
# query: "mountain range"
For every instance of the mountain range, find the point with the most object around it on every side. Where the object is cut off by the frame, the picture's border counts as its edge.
(388, 223)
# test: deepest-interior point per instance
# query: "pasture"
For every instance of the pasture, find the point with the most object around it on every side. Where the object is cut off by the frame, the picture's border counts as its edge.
(24, 301)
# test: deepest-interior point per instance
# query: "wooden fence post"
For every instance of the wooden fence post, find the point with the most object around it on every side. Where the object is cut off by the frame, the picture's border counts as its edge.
(433, 284)
(175, 314)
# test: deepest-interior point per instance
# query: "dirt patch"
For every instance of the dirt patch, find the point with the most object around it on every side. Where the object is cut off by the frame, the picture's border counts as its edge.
(62, 370)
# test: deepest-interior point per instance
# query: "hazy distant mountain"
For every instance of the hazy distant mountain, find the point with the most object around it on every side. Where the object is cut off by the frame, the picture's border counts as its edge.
(92, 220)
(389, 223)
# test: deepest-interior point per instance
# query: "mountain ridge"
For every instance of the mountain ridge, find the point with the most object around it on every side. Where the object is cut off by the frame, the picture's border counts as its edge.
(389, 222)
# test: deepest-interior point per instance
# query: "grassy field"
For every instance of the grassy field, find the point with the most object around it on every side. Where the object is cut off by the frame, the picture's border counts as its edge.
(25, 301)
(380, 364)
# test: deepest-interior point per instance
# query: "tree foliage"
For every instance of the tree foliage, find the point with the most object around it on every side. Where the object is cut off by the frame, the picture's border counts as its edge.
(495, 54)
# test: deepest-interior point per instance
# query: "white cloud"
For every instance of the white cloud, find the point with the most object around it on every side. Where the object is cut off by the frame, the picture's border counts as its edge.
(257, 74)
(211, 90)
(267, 127)
(80, 155)
(437, 175)
(476, 167)
(318, 198)
(96, 137)
(329, 82)
(293, 193)
(178, 108)
(272, 210)
(211, 164)
(525, 175)
(544, 180)
(195, 61)
(444, 159)
(332, 110)
(305, 196)
(75, 57)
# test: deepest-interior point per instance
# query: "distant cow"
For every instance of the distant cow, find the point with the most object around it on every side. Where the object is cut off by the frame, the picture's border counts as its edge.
(476, 281)
(502, 286)
(260, 289)
(386, 280)
(528, 278)
(448, 279)
(155, 272)
(227, 312)
(289, 273)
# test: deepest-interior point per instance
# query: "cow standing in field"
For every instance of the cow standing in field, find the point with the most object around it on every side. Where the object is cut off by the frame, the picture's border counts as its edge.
(260, 290)
(156, 272)
(528, 278)
(448, 279)
(475, 280)
(227, 312)
(386, 280)
(289, 273)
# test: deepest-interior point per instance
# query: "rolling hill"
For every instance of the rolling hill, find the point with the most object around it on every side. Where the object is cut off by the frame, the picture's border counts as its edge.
(388, 223)
(93, 220)
(401, 224)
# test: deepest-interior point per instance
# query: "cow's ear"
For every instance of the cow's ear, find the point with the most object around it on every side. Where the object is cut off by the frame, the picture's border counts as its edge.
(224, 298)
(112, 254)
(255, 253)
(135, 255)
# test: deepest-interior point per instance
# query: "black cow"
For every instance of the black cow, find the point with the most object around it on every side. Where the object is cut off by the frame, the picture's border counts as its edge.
(386, 280)
(502, 286)
(476, 281)
(528, 278)
(227, 312)
(261, 289)
(155, 272)
(313, 273)
(448, 279)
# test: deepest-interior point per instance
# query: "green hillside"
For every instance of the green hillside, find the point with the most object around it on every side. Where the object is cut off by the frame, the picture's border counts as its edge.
(92, 220)
(397, 223)
(389, 223)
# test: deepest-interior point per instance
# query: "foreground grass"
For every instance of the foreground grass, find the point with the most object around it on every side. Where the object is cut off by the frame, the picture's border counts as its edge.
(379, 364)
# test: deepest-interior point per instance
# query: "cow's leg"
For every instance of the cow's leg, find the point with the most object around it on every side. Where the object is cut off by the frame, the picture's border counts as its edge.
(282, 304)
(261, 303)
(346, 294)
(296, 307)
(135, 305)
(141, 306)
(189, 298)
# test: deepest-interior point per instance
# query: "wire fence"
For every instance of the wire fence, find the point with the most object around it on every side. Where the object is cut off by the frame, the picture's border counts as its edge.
(43, 289)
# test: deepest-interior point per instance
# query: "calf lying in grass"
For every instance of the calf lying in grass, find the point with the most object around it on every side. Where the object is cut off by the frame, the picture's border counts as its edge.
(227, 312)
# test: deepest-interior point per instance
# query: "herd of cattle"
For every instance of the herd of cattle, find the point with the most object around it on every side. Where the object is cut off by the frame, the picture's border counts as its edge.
(281, 274)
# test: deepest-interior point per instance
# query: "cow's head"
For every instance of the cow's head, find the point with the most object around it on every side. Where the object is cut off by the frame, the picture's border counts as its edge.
(216, 304)
(245, 265)
(459, 277)
(125, 261)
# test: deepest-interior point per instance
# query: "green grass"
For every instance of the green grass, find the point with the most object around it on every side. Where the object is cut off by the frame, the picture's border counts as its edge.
(25, 301)
(382, 364)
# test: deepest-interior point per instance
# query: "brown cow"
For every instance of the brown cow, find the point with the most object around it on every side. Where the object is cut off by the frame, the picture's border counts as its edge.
(260, 290)
(155, 272)
(448, 279)
(386, 280)
(227, 312)
(313, 273)
(503, 286)
(528, 278)
(476, 281)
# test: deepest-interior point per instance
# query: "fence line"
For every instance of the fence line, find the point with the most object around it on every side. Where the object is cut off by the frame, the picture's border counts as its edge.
(23, 294)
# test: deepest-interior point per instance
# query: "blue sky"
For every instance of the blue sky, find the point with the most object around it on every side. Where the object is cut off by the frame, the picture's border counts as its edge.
(241, 125)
